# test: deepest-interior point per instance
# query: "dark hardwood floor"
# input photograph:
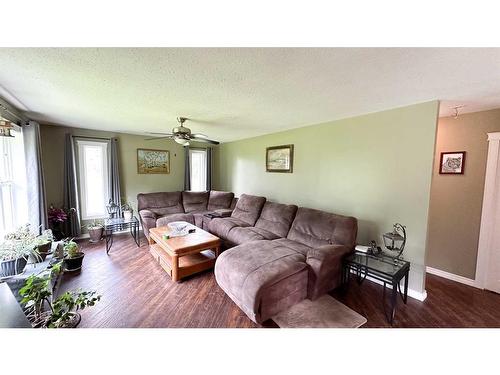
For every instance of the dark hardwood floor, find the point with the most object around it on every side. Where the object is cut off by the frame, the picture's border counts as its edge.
(136, 292)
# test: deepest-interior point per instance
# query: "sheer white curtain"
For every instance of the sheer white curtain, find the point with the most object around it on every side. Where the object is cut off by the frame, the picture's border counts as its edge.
(37, 204)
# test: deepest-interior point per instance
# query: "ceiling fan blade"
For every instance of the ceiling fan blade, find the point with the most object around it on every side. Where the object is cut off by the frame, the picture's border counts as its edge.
(199, 135)
(155, 138)
(159, 133)
(206, 140)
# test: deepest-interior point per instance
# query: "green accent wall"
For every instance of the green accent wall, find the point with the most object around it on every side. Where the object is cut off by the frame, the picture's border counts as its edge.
(376, 167)
(132, 183)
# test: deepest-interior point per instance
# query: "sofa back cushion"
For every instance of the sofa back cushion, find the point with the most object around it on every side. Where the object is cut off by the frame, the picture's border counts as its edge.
(194, 201)
(219, 199)
(248, 208)
(276, 218)
(317, 228)
(161, 203)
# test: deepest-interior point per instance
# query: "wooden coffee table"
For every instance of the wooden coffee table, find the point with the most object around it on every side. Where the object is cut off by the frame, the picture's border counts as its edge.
(186, 255)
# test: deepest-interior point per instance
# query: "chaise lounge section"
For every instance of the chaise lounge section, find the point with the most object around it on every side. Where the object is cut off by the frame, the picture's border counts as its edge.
(286, 255)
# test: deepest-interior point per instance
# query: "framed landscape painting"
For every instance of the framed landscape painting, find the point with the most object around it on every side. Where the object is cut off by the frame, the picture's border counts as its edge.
(279, 159)
(452, 162)
(153, 161)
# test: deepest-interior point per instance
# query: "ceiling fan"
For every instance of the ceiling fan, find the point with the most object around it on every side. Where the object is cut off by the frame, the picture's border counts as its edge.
(182, 134)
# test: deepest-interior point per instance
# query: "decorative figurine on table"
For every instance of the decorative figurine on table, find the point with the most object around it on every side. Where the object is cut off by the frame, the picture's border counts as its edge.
(396, 240)
(112, 209)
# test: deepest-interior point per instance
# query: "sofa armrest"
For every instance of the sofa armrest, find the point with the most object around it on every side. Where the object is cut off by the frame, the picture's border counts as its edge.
(148, 220)
(147, 214)
(224, 212)
(325, 268)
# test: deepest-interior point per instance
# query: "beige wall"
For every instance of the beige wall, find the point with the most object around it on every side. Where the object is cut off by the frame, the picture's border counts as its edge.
(132, 183)
(376, 167)
(456, 200)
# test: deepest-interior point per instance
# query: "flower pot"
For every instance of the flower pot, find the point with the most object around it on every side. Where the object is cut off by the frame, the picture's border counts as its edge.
(43, 251)
(12, 267)
(127, 215)
(95, 234)
(74, 264)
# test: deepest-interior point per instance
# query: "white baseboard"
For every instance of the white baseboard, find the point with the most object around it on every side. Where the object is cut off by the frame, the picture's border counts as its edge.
(420, 296)
(452, 276)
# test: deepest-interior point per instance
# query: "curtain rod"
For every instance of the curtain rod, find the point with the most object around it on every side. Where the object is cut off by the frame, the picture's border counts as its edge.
(87, 137)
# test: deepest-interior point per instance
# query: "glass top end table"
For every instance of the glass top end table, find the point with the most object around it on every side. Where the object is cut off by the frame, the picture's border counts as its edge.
(381, 267)
(119, 224)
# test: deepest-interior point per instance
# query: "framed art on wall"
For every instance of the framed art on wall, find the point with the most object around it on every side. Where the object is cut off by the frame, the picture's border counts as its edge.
(279, 159)
(153, 161)
(452, 162)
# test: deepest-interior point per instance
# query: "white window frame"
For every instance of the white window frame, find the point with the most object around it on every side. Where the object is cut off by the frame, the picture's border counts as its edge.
(14, 183)
(81, 143)
(202, 151)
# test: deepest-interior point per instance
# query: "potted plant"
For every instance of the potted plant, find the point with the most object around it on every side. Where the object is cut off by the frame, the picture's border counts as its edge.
(128, 210)
(13, 257)
(62, 312)
(43, 246)
(73, 257)
(15, 250)
(57, 216)
(95, 228)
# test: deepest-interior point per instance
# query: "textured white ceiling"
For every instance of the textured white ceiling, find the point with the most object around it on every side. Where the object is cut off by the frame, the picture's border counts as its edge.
(242, 92)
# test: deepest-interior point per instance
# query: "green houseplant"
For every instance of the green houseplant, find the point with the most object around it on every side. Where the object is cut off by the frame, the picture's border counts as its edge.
(43, 246)
(128, 210)
(95, 228)
(73, 256)
(44, 311)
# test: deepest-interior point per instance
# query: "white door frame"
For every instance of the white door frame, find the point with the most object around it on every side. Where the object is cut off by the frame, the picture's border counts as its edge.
(491, 188)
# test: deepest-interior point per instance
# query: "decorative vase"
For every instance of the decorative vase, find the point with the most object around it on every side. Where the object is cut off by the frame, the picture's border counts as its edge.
(95, 234)
(127, 215)
(12, 267)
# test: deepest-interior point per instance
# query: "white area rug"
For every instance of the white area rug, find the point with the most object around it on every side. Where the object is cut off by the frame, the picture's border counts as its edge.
(325, 312)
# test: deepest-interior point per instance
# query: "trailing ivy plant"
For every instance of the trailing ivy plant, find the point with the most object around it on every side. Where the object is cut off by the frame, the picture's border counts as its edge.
(37, 293)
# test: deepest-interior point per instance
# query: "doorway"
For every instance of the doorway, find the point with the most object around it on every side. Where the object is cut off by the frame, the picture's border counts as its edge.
(488, 257)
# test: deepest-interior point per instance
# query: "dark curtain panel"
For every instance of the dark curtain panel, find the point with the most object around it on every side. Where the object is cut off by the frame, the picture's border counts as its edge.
(70, 187)
(114, 174)
(37, 204)
(187, 170)
(209, 168)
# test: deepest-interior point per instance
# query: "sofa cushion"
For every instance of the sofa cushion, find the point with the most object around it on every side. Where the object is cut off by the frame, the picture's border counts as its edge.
(248, 208)
(220, 227)
(246, 271)
(164, 220)
(219, 199)
(161, 203)
(293, 245)
(194, 201)
(316, 228)
(239, 235)
(276, 218)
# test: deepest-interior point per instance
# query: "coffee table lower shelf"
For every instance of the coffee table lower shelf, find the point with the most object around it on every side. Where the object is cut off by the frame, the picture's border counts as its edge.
(187, 264)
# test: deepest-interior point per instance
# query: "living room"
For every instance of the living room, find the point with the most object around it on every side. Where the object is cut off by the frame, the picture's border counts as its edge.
(248, 186)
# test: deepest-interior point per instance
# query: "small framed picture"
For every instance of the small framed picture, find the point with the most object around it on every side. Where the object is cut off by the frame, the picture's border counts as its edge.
(452, 162)
(279, 159)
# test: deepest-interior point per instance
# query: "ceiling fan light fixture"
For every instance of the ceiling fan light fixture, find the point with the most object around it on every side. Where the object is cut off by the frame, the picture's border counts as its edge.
(182, 141)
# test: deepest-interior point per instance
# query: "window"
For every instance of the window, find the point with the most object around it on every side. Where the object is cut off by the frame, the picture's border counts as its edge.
(93, 178)
(198, 168)
(13, 192)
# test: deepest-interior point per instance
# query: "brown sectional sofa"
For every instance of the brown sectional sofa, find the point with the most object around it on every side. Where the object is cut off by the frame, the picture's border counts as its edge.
(282, 254)
(277, 254)
(158, 209)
